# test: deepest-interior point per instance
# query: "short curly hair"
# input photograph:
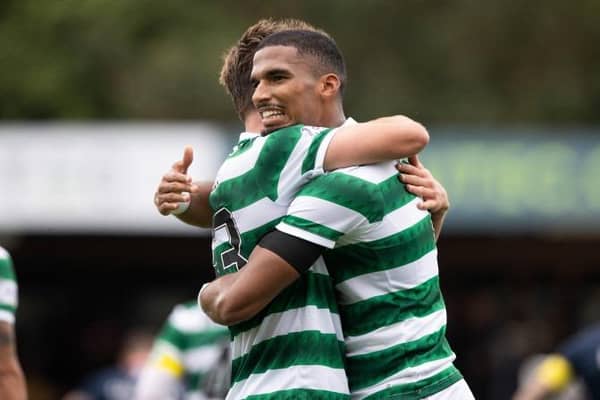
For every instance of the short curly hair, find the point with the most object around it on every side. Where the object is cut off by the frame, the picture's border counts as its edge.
(237, 61)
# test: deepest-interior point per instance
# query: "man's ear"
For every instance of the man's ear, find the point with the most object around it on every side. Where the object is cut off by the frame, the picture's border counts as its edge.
(330, 85)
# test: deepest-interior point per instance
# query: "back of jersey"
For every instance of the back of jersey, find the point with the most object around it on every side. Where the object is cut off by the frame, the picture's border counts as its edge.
(294, 347)
(383, 261)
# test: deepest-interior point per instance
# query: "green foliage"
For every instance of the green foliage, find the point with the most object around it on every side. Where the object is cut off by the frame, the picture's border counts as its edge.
(439, 61)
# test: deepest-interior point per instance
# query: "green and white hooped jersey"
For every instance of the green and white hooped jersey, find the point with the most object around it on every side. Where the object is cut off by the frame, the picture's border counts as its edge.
(294, 348)
(8, 288)
(383, 261)
(190, 346)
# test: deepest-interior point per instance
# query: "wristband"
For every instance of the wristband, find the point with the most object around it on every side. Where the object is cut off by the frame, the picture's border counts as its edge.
(182, 207)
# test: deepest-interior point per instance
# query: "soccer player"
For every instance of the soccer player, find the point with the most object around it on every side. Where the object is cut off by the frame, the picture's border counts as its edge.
(190, 359)
(260, 365)
(578, 357)
(12, 380)
(378, 244)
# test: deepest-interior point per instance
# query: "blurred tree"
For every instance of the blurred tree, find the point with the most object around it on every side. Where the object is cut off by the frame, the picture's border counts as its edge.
(442, 62)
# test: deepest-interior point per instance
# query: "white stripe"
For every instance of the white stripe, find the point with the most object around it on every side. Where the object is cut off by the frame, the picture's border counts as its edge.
(242, 163)
(378, 283)
(322, 151)
(308, 318)
(459, 390)
(405, 376)
(7, 316)
(327, 213)
(257, 214)
(375, 173)
(319, 267)
(220, 236)
(202, 359)
(163, 347)
(302, 234)
(3, 254)
(8, 292)
(291, 178)
(298, 377)
(401, 332)
(192, 320)
(397, 221)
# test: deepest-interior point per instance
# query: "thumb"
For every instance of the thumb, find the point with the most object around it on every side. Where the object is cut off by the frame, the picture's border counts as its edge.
(414, 160)
(188, 157)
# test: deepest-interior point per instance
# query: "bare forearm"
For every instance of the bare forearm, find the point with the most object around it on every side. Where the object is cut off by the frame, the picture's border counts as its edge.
(214, 300)
(12, 380)
(12, 383)
(382, 139)
(239, 296)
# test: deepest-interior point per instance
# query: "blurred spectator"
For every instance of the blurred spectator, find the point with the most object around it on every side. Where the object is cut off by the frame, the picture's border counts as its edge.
(190, 359)
(577, 358)
(12, 380)
(117, 382)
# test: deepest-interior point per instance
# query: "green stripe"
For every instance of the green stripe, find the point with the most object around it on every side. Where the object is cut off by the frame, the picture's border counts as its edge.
(300, 394)
(251, 238)
(313, 227)
(382, 254)
(311, 156)
(310, 289)
(368, 369)
(367, 315)
(227, 193)
(261, 181)
(6, 307)
(298, 348)
(187, 340)
(272, 159)
(192, 381)
(420, 389)
(6, 269)
(242, 147)
(394, 194)
(347, 191)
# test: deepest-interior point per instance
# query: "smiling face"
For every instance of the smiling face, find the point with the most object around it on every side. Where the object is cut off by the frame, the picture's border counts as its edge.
(287, 88)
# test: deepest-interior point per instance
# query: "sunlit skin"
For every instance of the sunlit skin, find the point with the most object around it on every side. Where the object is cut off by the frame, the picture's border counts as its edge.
(289, 91)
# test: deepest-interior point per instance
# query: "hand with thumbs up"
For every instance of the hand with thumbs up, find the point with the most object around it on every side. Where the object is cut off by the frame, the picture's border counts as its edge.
(178, 195)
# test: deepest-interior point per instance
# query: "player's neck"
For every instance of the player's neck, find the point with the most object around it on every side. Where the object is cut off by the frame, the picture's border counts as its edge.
(252, 122)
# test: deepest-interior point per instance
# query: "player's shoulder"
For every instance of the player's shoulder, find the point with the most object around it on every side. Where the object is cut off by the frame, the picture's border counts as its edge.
(4, 255)
(297, 130)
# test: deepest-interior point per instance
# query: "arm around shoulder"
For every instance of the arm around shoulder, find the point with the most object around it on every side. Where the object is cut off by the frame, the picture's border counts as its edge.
(239, 296)
(381, 139)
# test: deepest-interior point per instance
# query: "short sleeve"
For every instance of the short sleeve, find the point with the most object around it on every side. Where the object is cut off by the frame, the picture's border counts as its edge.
(330, 207)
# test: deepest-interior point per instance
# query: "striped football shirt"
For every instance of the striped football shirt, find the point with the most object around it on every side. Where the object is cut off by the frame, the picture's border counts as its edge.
(383, 260)
(191, 347)
(8, 288)
(292, 349)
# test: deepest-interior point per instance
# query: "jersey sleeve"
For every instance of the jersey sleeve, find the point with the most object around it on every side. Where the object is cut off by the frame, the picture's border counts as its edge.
(8, 288)
(332, 207)
(291, 157)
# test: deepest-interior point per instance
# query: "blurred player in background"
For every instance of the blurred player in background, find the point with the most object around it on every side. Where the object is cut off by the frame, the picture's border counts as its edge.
(117, 382)
(577, 359)
(12, 380)
(190, 359)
